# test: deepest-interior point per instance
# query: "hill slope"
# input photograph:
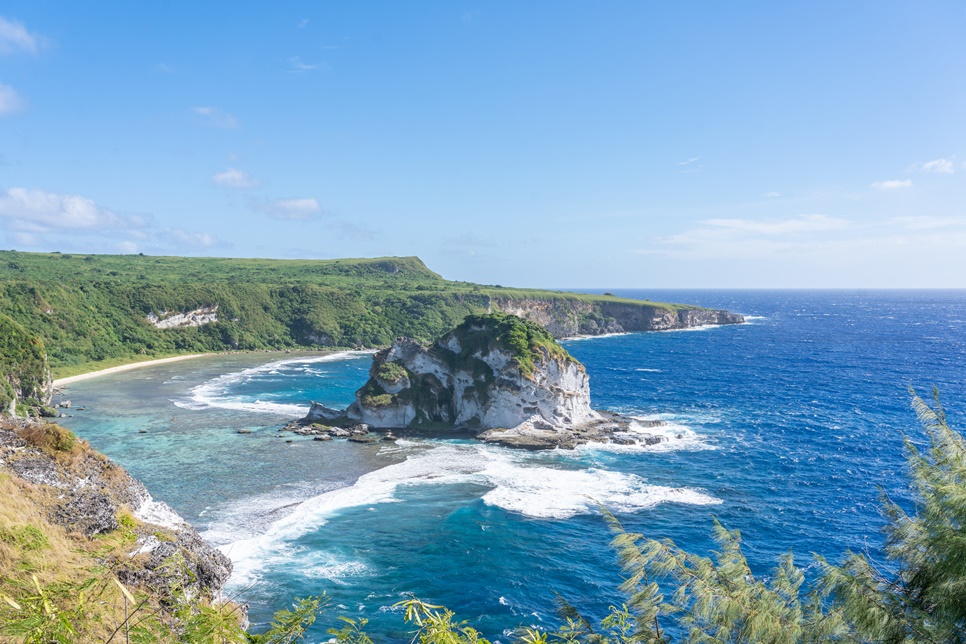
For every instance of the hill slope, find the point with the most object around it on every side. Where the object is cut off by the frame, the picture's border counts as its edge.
(92, 310)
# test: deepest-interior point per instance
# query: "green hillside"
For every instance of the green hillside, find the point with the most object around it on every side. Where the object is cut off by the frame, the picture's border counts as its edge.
(92, 310)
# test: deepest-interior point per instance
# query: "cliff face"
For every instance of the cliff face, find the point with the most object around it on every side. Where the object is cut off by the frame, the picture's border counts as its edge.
(81, 491)
(569, 317)
(24, 375)
(491, 371)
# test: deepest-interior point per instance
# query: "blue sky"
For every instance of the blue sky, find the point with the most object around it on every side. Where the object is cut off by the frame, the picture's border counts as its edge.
(557, 144)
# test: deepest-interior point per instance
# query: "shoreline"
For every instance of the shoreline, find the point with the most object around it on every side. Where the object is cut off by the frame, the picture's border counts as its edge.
(63, 382)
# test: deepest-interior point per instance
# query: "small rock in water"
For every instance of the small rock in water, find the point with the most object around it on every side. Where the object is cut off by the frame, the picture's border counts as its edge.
(680, 436)
(244, 431)
(362, 439)
(142, 431)
(290, 441)
(322, 437)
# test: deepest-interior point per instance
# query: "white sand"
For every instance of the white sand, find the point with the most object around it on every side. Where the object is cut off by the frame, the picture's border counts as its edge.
(126, 367)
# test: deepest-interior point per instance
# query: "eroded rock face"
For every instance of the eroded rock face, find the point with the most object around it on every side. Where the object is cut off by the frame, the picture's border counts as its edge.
(491, 371)
(90, 496)
(172, 320)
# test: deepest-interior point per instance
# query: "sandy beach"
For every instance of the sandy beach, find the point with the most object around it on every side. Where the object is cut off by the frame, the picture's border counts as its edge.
(126, 367)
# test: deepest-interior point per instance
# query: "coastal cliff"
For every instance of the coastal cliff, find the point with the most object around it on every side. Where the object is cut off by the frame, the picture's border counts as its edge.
(94, 310)
(499, 376)
(72, 522)
(570, 317)
(25, 381)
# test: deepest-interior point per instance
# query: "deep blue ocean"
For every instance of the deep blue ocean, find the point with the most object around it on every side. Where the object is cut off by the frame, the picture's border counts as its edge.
(787, 428)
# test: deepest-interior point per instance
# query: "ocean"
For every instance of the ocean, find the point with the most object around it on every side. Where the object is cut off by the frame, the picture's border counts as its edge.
(788, 428)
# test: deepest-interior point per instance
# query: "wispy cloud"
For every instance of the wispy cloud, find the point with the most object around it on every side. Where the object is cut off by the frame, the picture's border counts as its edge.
(14, 37)
(180, 237)
(303, 22)
(232, 178)
(37, 218)
(938, 166)
(892, 184)
(162, 68)
(217, 117)
(770, 226)
(808, 237)
(691, 165)
(10, 101)
(292, 209)
(296, 64)
(467, 245)
(36, 211)
(926, 222)
(349, 230)
(772, 195)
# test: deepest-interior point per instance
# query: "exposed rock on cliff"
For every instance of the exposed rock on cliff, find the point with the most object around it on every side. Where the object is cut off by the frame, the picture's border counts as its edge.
(88, 495)
(569, 317)
(25, 380)
(491, 371)
(172, 320)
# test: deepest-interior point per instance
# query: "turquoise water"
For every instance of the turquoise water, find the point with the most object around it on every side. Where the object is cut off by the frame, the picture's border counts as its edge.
(788, 427)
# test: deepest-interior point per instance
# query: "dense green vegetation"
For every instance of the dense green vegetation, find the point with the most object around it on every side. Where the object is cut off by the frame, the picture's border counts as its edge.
(91, 310)
(525, 341)
(23, 366)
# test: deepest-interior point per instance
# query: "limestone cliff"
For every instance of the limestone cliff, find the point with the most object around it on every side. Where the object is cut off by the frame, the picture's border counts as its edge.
(569, 317)
(491, 371)
(25, 380)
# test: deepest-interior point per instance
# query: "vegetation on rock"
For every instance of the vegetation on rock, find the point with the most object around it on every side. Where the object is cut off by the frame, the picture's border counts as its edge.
(24, 376)
(525, 341)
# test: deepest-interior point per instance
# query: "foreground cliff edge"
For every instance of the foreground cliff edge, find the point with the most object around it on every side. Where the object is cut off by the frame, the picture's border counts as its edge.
(500, 377)
(83, 538)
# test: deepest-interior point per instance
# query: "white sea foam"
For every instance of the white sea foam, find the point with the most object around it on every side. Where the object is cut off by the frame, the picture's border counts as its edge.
(216, 392)
(648, 370)
(676, 436)
(515, 483)
(595, 337)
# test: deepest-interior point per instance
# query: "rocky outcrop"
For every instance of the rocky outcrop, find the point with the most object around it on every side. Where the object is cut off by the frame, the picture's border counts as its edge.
(491, 371)
(500, 376)
(569, 317)
(172, 320)
(91, 495)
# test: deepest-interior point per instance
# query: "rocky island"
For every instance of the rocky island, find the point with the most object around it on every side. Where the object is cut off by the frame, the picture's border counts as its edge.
(502, 378)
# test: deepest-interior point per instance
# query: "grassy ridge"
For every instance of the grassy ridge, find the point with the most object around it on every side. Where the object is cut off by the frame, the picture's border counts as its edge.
(92, 309)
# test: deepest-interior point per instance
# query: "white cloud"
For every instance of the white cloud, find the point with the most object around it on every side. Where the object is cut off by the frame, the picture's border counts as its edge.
(927, 222)
(938, 166)
(15, 37)
(772, 195)
(303, 22)
(184, 238)
(800, 224)
(10, 101)
(217, 117)
(892, 184)
(35, 218)
(36, 211)
(296, 209)
(232, 178)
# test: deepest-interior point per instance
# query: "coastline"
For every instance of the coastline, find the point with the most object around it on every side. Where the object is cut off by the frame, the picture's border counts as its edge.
(62, 382)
